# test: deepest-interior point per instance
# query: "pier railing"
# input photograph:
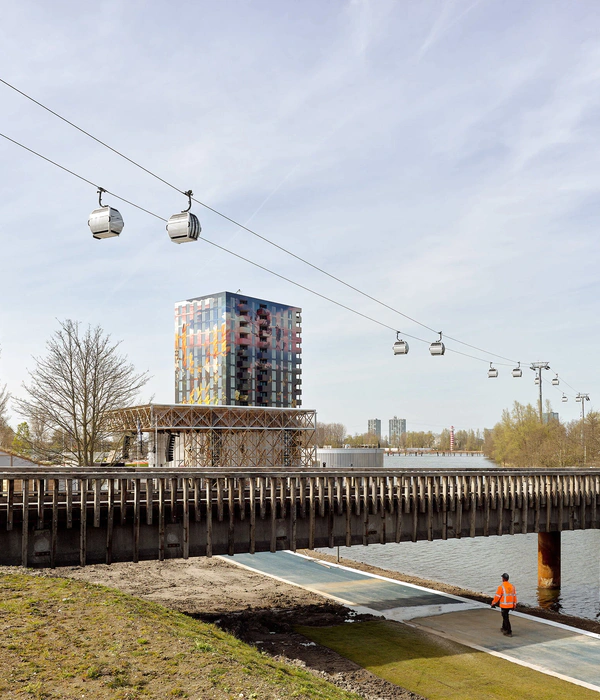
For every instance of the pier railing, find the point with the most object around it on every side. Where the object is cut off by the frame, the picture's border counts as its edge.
(56, 516)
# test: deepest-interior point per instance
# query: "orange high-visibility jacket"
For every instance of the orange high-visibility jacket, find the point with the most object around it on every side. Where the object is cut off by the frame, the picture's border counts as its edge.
(506, 595)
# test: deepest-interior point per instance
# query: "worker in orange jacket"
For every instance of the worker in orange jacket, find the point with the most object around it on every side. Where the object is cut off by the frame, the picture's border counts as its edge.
(506, 596)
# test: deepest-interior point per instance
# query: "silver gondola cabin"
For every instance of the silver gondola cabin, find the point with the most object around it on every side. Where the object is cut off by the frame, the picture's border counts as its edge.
(492, 372)
(437, 347)
(184, 227)
(517, 371)
(400, 346)
(105, 222)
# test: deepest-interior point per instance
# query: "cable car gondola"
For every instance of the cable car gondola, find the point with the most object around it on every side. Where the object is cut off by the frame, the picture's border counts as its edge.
(555, 381)
(105, 222)
(437, 347)
(492, 372)
(564, 398)
(400, 346)
(536, 381)
(184, 227)
(517, 371)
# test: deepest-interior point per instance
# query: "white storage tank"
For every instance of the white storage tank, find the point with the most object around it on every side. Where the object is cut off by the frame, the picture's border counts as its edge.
(350, 458)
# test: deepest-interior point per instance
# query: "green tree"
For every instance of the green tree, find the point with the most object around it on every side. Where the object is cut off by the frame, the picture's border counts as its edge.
(444, 440)
(22, 440)
(521, 440)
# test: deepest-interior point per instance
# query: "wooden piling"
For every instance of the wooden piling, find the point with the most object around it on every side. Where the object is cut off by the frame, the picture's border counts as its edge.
(136, 520)
(25, 531)
(10, 494)
(54, 531)
(293, 513)
(231, 509)
(83, 488)
(149, 500)
(252, 482)
(209, 516)
(123, 500)
(472, 506)
(161, 519)
(174, 489)
(220, 503)
(311, 512)
(97, 486)
(273, 500)
(69, 485)
(186, 519)
(197, 508)
(110, 502)
(261, 497)
(40, 502)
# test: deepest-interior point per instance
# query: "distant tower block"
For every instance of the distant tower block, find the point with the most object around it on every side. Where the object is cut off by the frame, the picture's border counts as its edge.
(451, 438)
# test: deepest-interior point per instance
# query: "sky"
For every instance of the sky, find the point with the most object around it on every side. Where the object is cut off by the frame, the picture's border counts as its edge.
(439, 155)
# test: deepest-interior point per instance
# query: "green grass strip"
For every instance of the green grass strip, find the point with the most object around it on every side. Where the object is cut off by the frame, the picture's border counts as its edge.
(63, 639)
(437, 668)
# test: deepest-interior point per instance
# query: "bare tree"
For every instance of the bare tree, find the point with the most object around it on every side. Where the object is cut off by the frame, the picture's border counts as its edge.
(6, 432)
(81, 377)
(330, 434)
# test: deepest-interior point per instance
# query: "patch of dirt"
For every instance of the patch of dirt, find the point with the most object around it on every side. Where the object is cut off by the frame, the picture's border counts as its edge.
(255, 608)
(272, 631)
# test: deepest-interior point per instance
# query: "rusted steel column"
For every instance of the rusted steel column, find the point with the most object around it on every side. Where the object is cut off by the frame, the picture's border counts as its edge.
(549, 559)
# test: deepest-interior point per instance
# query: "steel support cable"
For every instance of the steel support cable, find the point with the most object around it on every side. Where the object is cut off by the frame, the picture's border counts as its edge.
(241, 257)
(557, 387)
(80, 177)
(249, 230)
(205, 240)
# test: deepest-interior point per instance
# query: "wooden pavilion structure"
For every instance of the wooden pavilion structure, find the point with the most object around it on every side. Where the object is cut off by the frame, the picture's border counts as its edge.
(192, 435)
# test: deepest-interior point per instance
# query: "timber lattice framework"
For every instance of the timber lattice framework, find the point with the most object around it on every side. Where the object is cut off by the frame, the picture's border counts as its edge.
(250, 437)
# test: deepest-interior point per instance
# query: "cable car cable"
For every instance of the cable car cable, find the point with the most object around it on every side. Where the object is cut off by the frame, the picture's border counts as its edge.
(246, 228)
(237, 255)
(84, 179)
(241, 257)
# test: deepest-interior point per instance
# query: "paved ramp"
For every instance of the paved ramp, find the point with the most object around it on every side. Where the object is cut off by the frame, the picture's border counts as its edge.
(551, 648)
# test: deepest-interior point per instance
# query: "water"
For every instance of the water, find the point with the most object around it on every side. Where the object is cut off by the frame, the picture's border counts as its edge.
(477, 563)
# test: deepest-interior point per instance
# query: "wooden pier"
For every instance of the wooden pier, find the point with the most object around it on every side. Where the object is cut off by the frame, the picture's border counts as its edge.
(58, 517)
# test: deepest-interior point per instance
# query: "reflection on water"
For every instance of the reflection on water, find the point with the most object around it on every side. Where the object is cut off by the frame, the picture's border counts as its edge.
(477, 563)
(549, 598)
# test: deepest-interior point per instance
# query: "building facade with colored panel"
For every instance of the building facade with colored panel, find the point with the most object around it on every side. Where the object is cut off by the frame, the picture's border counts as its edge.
(235, 350)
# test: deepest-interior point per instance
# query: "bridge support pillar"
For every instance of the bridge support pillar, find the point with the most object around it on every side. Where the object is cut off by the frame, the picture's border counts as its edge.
(549, 559)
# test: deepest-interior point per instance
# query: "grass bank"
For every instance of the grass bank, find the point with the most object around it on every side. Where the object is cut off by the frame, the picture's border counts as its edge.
(437, 668)
(68, 639)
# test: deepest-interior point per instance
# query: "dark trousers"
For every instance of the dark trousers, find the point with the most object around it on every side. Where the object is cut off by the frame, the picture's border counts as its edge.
(505, 621)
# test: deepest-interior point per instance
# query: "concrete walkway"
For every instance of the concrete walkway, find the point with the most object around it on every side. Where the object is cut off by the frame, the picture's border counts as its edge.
(549, 647)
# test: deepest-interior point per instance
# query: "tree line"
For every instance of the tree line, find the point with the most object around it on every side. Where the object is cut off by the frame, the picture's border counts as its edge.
(520, 439)
(334, 435)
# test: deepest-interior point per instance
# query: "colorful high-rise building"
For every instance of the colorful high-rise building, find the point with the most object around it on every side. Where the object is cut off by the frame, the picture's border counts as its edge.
(235, 350)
